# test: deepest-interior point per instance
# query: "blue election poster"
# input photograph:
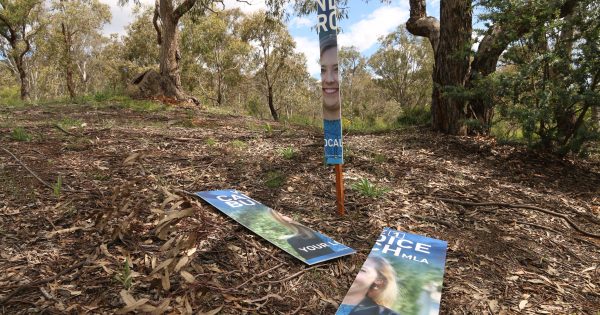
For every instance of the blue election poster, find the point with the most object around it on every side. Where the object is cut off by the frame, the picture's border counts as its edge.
(403, 274)
(309, 246)
(330, 81)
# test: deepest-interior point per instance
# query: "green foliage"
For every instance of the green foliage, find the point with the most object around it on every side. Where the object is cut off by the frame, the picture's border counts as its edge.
(403, 66)
(211, 142)
(216, 53)
(125, 276)
(68, 122)
(288, 153)
(57, 187)
(274, 179)
(140, 46)
(20, 134)
(414, 116)
(10, 96)
(268, 128)
(507, 131)
(239, 144)
(368, 189)
(379, 158)
(359, 125)
(549, 82)
(106, 96)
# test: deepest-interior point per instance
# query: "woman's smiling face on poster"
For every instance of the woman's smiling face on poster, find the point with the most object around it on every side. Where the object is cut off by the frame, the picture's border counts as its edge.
(330, 84)
(365, 278)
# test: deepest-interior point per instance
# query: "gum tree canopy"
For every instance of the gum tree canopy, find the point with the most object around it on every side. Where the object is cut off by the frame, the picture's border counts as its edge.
(455, 100)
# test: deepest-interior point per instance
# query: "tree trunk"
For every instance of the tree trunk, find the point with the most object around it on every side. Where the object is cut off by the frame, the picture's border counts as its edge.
(167, 82)
(484, 63)
(271, 105)
(596, 115)
(451, 66)
(169, 52)
(68, 60)
(70, 82)
(23, 78)
(452, 62)
(451, 40)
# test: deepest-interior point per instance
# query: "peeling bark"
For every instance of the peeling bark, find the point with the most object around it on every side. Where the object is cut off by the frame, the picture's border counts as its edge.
(449, 38)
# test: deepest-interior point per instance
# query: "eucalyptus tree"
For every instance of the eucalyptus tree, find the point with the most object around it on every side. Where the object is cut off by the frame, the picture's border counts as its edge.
(20, 21)
(76, 32)
(352, 64)
(140, 47)
(402, 66)
(213, 45)
(166, 22)
(273, 47)
(457, 69)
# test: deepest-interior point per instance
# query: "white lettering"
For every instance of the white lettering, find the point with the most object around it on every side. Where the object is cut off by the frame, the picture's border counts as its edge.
(223, 198)
(332, 21)
(333, 143)
(233, 204)
(423, 248)
(386, 249)
(404, 240)
(247, 202)
(321, 4)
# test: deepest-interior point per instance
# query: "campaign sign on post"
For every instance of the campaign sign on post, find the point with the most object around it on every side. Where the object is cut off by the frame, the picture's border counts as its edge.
(330, 81)
(309, 246)
(402, 275)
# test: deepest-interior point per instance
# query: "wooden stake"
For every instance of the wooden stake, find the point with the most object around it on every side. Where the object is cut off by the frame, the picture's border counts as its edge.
(339, 189)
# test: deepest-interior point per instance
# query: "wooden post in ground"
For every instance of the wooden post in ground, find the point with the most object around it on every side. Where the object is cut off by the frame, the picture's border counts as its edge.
(339, 189)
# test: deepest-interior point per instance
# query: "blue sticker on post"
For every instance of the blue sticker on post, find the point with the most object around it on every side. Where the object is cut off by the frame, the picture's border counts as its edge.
(330, 82)
(305, 244)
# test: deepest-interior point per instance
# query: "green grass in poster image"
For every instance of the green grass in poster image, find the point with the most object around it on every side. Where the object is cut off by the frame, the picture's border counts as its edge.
(263, 224)
(419, 287)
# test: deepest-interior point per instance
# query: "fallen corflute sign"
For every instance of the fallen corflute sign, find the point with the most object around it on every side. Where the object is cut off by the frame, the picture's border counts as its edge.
(296, 239)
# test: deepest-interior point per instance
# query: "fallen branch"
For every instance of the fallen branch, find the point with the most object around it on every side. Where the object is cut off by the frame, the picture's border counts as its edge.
(522, 206)
(37, 177)
(57, 126)
(29, 170)
(259, 275)
(67, 230)
(434, 220)
(43, 281)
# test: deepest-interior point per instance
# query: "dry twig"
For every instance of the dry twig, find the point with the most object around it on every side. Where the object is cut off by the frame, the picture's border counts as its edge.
(57, 126)
(37, 177)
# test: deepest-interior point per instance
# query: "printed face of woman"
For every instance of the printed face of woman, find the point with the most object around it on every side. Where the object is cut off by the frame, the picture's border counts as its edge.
(330, 84)
(365, 278)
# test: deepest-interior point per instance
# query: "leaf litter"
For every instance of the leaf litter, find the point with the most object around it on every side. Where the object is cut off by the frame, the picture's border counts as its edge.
(126, 202)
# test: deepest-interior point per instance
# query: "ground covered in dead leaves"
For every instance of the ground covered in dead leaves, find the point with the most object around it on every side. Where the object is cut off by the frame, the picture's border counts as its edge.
(118, 232)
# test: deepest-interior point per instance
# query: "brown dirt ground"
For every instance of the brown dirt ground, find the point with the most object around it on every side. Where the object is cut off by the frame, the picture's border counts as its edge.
(124, 171)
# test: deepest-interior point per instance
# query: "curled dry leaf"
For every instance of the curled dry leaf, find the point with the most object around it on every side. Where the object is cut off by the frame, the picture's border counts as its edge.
(522, 304)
